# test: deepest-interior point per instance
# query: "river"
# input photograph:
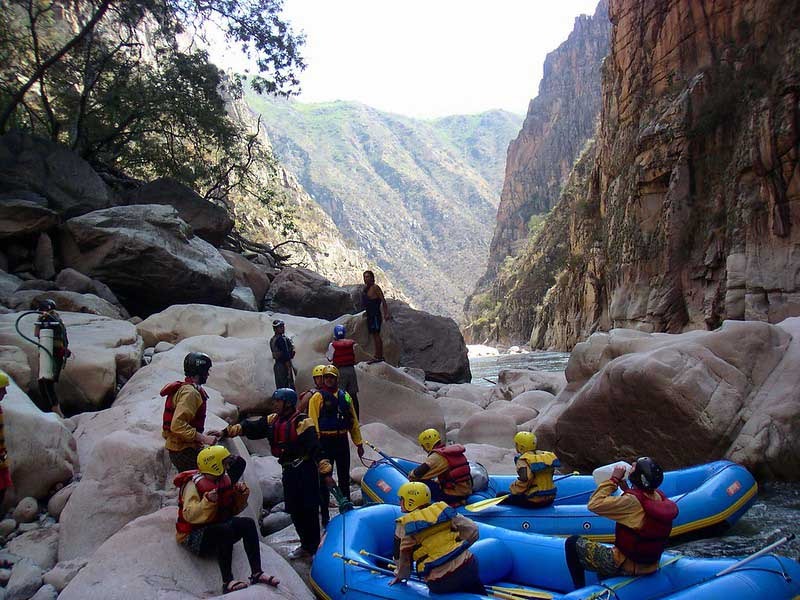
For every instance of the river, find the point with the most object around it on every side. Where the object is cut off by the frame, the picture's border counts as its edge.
(776, 512)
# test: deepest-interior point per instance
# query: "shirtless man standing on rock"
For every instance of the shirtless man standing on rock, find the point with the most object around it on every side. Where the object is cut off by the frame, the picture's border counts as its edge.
(373, 300)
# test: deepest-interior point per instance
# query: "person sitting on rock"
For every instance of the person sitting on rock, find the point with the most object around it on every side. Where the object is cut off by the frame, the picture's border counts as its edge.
(334, 416)
(294, 442)
(534, 485)
(341, 353)
(210, 497)
(437, 539)
(54, 344)
(283, 352)
(316, 375)
(185, 413)
(644, 517)
(5, 472)
(448, 465)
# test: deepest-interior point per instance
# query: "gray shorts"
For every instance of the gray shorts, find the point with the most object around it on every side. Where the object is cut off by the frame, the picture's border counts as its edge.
(348, 380)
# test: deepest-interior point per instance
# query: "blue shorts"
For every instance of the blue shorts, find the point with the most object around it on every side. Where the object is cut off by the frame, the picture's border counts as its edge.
(374, 323)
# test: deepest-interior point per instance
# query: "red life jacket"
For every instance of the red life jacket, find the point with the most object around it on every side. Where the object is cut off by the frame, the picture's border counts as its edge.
(343, 353)
(645, 545)
(226, 496)
(284, 435)
(169, 390)
(457, 466)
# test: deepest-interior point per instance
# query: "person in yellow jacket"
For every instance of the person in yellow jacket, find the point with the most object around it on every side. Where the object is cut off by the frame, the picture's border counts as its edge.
(5, 472)
(534, 485)
(304, 397)
(448, 465)
(185, 413)
(335, 417)
(209, 499)
(437, 539)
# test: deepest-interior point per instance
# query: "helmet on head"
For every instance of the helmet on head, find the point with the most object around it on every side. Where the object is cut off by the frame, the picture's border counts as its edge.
(647, 474)
(196, 363)
(277, 323)
(46, 304)
(339, 332)
(413, 495)
(318, 371)
(331, 370)
(287, 395)
(428, 439)
(4, 380)
(209, 460)
(525, 441)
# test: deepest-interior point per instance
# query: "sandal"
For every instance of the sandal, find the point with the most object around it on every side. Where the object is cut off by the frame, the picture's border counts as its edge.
(259, 577)
(234, 586)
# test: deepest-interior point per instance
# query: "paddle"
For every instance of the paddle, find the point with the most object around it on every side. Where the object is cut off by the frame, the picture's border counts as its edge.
(489, 502)
(756, 555)
(519, 592)
(390, 460)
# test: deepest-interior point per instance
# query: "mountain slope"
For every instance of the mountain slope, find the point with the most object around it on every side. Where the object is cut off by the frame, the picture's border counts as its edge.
(417, 197)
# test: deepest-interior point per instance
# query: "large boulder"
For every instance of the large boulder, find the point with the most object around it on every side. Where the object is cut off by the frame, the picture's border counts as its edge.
(68, 302)
(105, 352)
(208, 220)
(308, 294)
(488, 427)
(143, 561)
(70, 186)
(71, 280)
(148, 256)
(248, 274)
(513, 382)
(40, 448)
(8, 285)
(19, 218)
(714, 391)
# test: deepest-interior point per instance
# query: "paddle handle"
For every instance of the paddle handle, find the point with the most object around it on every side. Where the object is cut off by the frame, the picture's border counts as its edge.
(758, 554)
(391, 461)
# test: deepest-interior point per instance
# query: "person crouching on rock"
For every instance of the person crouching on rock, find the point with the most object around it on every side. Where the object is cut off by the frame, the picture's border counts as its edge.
(316, 375)
(437, 538)
(534, 487)
(446, 463)
(644, 517)
(185, 413)
(210, 498)
(342, 354)
(293, 441)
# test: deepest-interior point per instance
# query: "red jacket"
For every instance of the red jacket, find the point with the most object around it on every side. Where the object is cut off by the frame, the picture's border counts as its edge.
(457, 466)
(343, 353)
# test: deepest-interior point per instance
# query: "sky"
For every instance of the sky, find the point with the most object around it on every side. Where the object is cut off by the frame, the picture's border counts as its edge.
(430, 58)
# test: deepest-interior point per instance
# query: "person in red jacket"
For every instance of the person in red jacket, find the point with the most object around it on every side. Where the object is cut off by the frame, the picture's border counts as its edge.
(644, 517)
(210, 497)
(342, 354)
(448, 465)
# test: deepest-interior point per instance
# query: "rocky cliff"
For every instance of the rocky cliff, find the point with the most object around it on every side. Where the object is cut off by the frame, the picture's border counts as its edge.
(558, 123)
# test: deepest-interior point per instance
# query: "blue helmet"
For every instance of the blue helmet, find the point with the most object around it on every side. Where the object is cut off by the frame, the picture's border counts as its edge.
(288, 395)
(339, 332)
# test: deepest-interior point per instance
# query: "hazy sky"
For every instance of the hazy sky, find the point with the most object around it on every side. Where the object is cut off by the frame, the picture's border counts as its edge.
(428, 58)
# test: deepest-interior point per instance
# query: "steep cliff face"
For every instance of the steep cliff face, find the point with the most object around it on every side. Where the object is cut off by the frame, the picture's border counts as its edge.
(558, 123)
(690, 214)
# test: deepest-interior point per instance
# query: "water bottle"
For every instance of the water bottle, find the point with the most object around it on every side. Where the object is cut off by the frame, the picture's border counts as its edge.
(603, 473)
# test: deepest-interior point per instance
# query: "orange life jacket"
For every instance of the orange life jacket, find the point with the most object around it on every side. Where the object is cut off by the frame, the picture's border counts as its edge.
(169, 390)
(343, 353)
(457, 466)
(645, 545)
(226, 496)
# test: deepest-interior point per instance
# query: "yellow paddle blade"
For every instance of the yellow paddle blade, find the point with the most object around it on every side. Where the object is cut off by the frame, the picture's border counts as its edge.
(519, 592)
(484, 504)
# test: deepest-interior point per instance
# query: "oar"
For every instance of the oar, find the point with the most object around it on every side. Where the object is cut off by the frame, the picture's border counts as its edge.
(391, 461)
(389, 562)
(519, 592)
(490, 502)
(368, 567)
(756, 555)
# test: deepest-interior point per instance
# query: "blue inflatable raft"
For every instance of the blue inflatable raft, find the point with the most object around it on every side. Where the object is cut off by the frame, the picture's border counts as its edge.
(711, 498)
(521, 566)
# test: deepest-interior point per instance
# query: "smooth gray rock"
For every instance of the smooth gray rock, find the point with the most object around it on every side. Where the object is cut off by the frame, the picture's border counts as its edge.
(26, 510)
(39, 545)
(26, 579)
(307, 294)
(20, 218)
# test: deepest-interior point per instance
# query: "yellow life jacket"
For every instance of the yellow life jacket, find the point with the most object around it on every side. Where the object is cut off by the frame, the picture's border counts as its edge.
(437, 541)
(541, 465)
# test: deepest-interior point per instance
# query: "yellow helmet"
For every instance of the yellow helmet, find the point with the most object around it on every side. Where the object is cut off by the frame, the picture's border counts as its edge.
(331, 370)
(318, 371)
(210, 459)
(4, 380)
(428, 439)
(525, 441)
(414, 495)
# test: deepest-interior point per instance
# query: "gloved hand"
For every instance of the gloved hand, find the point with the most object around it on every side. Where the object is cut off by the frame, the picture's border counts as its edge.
(360, 450)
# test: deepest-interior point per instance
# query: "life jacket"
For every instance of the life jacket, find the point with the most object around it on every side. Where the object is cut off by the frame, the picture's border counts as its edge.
(645, 545)
(541, 481)
(457, 466)
(169, 390)
(226, 496)
(335, 413)
(278, 354)
(282, 437)
(437, 541)
(343, 353)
